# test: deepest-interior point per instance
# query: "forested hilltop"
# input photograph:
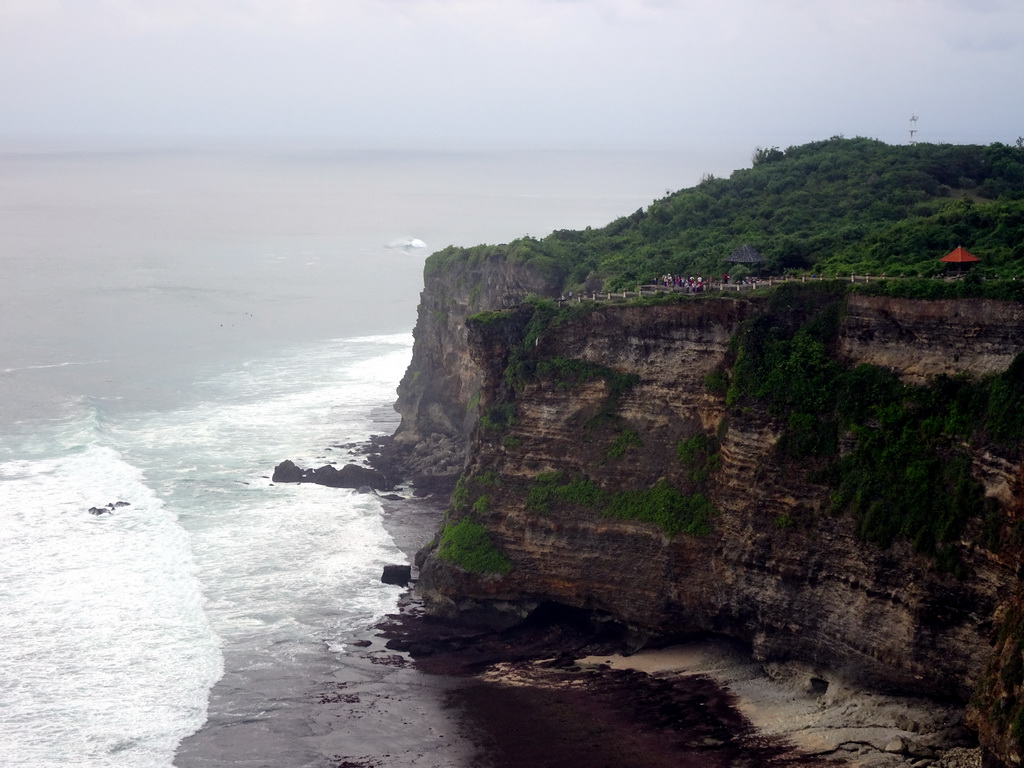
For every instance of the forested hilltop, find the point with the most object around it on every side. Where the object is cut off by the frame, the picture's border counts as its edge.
(839, 207)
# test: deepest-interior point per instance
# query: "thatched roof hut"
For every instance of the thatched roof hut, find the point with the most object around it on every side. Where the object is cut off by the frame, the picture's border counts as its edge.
(745, 254)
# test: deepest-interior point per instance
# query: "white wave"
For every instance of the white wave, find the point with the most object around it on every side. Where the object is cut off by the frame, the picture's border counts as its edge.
(113, 640)
(409, 243)
(47, 366)
(107, 654)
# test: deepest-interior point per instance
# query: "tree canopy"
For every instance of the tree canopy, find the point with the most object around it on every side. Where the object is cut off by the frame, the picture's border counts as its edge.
(838, 206)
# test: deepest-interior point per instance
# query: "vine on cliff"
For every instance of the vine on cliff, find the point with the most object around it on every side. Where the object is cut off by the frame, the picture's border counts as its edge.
(526, 363)
(567, 373)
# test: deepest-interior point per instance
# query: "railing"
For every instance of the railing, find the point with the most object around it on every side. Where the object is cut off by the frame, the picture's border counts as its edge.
(706, 287)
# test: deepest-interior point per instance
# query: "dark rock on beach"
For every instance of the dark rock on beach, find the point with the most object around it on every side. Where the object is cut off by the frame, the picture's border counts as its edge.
(349, 476)
(399, 575)
(520, 710)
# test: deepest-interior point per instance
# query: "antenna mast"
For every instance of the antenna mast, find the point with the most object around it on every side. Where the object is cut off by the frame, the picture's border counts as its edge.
(913, 128)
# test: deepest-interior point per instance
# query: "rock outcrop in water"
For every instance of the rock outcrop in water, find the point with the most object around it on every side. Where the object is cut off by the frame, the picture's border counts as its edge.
(611, 417)
(349, 476)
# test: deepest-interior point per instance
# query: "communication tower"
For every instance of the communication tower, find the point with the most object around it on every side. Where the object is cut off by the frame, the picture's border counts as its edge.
(913, 128)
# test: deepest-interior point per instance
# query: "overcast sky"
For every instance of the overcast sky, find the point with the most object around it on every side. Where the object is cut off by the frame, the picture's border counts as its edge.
(561, 73)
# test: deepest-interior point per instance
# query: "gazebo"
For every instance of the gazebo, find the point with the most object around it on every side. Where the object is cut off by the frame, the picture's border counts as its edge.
(959, 256)
(745, 254)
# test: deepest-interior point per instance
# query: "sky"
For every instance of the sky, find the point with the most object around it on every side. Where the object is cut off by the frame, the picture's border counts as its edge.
(558, 73)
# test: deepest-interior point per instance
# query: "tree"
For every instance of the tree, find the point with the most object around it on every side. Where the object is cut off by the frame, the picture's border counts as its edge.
(762, 155)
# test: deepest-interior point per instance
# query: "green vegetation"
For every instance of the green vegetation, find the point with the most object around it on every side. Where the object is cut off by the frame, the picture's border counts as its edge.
(623, 442)
(460, 496)
(468, 545)
(839, 206)
(700, 453)
(970, 286)
(907, 474)
(553, 487)
(690, 449)
(499, 417)
(490, 316)
(716, 382)
(665, 506)
(568, 374)
(487, 479)
(784, 521)
(524, 328)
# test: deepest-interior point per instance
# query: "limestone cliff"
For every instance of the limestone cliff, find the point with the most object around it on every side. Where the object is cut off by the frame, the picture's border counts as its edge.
(617, 466)
(436, 395)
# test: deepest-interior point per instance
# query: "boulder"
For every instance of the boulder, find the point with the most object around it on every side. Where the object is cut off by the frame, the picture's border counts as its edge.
(895, 746)
(349, 476)
(287, 472)
(109, 509)
(400, 575)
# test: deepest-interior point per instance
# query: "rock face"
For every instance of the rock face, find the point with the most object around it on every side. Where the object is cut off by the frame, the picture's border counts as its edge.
(922, 339)
(435, 397)
(626, 389)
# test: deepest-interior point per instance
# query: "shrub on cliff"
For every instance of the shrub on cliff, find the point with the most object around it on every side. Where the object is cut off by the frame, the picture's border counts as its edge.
(672, 511)
(905, 472)
(662, 504)
(468, 545)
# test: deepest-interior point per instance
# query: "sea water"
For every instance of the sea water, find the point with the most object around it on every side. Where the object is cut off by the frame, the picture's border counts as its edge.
(173, 323)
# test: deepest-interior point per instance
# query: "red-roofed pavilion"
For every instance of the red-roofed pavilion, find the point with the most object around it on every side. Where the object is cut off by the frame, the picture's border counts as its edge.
(959, 256)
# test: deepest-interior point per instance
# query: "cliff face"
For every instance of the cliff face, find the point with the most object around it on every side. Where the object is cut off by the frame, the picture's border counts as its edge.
(613, 417)
(436, 395)
(922, 339)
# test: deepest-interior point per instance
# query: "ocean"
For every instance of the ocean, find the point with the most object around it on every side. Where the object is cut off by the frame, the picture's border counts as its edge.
(174, 322)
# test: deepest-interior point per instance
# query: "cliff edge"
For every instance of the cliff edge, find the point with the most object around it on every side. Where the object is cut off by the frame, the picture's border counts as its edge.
(437, 397)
